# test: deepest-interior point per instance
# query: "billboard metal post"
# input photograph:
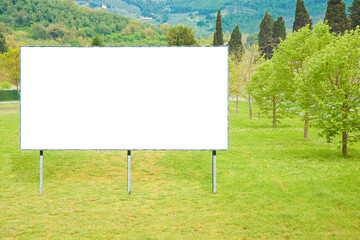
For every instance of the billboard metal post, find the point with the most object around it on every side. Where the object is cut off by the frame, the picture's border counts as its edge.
(129, 171)
(214, 171)
(41, 172)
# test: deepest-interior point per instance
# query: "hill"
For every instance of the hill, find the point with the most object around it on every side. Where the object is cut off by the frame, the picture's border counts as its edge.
(43, 22)
(200, 14)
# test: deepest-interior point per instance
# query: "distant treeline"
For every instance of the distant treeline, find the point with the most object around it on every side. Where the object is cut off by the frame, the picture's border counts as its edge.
(65, 21)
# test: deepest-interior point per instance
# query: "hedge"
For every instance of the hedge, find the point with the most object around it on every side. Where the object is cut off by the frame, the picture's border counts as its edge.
(9, 95)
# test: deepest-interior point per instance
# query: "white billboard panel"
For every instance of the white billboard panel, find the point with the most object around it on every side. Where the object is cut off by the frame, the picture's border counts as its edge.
(124, 98)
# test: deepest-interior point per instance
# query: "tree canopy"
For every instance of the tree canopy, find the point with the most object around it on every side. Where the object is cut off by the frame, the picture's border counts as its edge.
(3, 45)
(266, 41)
(279, 31)
(218, 35)
(336, 16)
(236, 48)
(302, 16)
(181, 36)
(354, 10)
(96, 41)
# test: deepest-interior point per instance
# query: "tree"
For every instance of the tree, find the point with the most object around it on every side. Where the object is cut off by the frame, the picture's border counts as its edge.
(218, 35)
(96, 41)
(336, 16)
(10, 65)
(266, 41)
(279, 31)
(181, 36)
(332, 77)
(236, 48)
(252, 39)
(3, 45)
(289, 59)
(302, 16)
(240, 73)
(268, 91)
(38, 31)
(354, 10)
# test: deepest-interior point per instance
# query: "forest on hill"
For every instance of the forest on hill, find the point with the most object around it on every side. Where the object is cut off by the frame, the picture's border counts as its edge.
(201, 14)
(43, 22)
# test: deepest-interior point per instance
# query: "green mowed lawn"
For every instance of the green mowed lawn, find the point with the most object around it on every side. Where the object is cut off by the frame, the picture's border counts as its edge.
(272, 184)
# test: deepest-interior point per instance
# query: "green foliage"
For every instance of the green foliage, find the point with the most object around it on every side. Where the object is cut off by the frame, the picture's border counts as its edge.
(96, 41)
(9, 95)
(291, 54)
(218, 35)
(336, 16)
(236, 48)
(302, 16)
(266, 40)
(68, 24)
(275, 81)
(331, 80)
(3, 45)
(354, 10)
(252, 39)
(240, 71)
(181, 36)
(269, 92)
(10, 66)
(279, 31)
(5, 85)
(247, 14)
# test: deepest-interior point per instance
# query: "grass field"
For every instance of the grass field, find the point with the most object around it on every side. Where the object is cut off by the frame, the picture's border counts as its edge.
(272, 184)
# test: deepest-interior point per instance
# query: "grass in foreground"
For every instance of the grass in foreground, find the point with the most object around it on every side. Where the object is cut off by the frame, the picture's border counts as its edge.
(271, 184)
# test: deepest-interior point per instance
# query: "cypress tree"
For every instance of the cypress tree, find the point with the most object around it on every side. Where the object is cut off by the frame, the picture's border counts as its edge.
(279, 30)
(3, 45)
(218, 35)
(266, 41)
(354, 10)
(236, 47)
(336, 16)
(96, 41)
(302, 16)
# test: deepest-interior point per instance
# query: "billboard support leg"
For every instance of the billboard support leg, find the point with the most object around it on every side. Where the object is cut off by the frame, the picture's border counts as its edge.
(214, 171)
(41, 172)
(129, 171)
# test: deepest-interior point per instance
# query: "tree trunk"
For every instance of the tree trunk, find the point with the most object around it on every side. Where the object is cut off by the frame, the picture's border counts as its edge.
(344, 143)
(237, 104)
(250, 107)
(274, 112)
(306, 128)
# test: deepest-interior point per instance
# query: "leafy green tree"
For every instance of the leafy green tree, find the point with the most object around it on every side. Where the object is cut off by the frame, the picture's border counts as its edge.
(181, 36)
(354, 10)
(38, 31)
(336, 16)
(279, 31)
(10, 65)
(302, 16)
(3, 45)
(266, 40)
(239, 75)
(332, 79)
(218, 35)
(236, 48)
(289, 59)
(268, 91)
(96, 41)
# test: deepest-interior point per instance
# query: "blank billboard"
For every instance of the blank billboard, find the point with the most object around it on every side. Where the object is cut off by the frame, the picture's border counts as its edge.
(124, 98)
